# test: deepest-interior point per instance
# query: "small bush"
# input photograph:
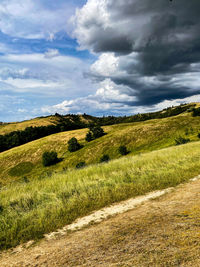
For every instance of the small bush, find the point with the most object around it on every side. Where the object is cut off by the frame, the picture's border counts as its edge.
(96, 131)
(181, 140)
(104, 158)
(25, 179)
(49, 158)
(123, 150)
(88, 137)
(1, 208)
(73, 145)
(196, 112)
(80, 165)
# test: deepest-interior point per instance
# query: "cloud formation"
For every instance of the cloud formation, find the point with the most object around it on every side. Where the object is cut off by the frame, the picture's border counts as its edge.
(39, 79)
(151, 49)
(35, 19)
(144, 55)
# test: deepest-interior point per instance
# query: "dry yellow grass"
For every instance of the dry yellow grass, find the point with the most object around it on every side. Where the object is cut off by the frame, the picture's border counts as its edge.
(138, 137)
(163, 232)
(15, 126)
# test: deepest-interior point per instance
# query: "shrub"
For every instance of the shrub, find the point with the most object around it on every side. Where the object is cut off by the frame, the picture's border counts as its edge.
(49, 158)
(104, 158)
(80, 165)
(96, 131)
(181, 140)
(196, 112)
(1, 208)
(123, 150)
(73, 145)
(25, 179)
(89, 137)
(198, 135)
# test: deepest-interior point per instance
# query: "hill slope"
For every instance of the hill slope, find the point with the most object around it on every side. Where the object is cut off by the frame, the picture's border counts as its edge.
(57, 119)
(30, 209)
(6, 128)
(163, 232)
(26, 160)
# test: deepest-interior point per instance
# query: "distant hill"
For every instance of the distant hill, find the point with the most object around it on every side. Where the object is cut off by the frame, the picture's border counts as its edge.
(139, 137)
(16, 134)
(56, 119)
(6, 128)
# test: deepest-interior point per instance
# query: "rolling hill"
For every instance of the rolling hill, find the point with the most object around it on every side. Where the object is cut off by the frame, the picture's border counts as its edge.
(29, 209)
(35, 200)
(139, 137)
(40, 127)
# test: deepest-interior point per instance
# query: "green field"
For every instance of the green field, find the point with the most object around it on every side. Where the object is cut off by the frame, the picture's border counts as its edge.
(35, 200)
(30, 209)
(26, 161)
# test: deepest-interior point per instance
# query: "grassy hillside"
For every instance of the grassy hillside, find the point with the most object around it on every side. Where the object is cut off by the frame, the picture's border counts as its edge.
(25, 162)
(74, 122)
(15, 126)
(56, 119)
(28, 210)
(6, 128)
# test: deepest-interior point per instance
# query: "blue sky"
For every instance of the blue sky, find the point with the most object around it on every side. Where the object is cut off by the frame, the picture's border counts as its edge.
(40, 64)
(95, 56)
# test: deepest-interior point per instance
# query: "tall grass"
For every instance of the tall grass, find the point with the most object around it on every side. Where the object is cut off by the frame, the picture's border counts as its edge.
(28, 210)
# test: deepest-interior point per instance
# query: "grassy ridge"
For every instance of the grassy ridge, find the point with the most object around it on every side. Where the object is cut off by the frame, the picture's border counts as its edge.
(138, 137)
(15, 126)
(28, 210)
(6, 128)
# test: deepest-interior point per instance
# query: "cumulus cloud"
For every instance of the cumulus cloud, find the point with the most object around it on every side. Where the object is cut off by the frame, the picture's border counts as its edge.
(35, 18)
(150, 49)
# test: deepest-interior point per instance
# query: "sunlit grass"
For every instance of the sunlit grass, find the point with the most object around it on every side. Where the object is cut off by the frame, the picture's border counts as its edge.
(138, 137)
(16, 126)
(28, 210)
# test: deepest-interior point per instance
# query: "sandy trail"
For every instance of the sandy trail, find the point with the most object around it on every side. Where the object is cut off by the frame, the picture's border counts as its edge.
(125, 239)
(104, 213)
(112, 210)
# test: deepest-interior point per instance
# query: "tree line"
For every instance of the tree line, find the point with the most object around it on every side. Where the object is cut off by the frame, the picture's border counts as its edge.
(17, 138)
(73, 122)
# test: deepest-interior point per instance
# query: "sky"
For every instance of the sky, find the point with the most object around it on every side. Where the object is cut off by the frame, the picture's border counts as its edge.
(100, 57)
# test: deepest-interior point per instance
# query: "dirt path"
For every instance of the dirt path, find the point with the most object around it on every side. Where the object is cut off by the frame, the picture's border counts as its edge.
(160, 232)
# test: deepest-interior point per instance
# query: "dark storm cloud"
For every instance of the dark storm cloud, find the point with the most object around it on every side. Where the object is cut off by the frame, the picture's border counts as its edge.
(163, 34)
(153, 94)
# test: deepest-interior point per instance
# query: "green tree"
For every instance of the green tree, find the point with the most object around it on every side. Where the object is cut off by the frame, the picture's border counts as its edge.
(49, 158)
(104, 158)
(80, 165)
(73, 145)
(97, 131)
(89, 137)
(181, 140)
(123, 150)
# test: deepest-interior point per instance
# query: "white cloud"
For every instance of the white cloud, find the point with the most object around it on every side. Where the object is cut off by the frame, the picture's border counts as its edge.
(106, 65)
(52, 53)
(108, 98)
(49, 73)
(150, 52)
(31, 19)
